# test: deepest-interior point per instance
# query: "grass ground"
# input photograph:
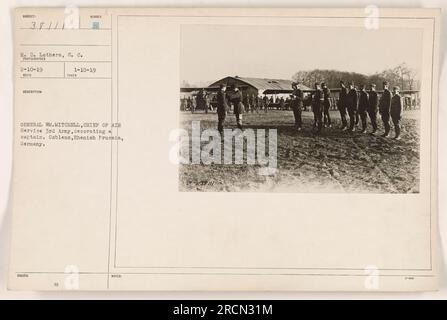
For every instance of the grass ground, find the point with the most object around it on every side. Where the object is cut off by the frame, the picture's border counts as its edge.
(333, 161)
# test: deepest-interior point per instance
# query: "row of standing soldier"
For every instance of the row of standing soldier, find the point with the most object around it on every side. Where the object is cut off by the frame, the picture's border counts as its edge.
(204, 101)
(357, 105)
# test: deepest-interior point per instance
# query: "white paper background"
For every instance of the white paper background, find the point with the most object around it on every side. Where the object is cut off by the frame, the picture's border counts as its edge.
(6, 77)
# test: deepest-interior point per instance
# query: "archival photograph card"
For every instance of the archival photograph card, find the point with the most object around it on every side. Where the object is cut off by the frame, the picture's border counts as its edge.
(247, 149)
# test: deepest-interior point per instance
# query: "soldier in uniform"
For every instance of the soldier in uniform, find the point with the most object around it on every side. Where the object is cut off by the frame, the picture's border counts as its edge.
(260, 104)
(342, 102)
(396, 111)
(222, 107)
(297, 104)
(182, 104)
(194, 104)
(282, 104)
(372, 107)
(352, 106)
(235, 97)
(200, 100)
(254, 103)
(318, 108)
(188, 103)
(384, 108)
(326, 105)
(363, 106)
(265, 103)
(246, 101)
(206, 101)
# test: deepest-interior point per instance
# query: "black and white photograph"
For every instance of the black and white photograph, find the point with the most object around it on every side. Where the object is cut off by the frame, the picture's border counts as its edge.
(342, 104)
(238, 152)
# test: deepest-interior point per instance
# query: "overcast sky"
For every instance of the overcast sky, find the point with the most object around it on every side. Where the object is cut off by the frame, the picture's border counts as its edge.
(211, 52)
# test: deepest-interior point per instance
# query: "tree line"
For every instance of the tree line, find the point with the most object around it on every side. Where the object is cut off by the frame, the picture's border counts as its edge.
(401, 75)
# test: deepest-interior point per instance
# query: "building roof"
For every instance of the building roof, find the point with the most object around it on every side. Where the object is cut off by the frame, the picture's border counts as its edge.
(262, 84)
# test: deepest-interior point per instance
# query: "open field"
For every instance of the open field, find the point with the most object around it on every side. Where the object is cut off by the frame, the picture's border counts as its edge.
(332, 161)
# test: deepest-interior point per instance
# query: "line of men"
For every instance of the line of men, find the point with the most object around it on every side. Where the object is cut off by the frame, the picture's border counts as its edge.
(357, 105)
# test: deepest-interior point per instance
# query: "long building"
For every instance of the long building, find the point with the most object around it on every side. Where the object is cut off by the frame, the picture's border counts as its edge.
(257, 86)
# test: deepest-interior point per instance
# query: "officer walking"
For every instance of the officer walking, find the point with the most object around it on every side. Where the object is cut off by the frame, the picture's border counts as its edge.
(363, 106)
(222, 107)
(372, 107)
(342, 103)
(384, 108)
(297, 104)
(352, 106)
(326, 105)
(396, 110)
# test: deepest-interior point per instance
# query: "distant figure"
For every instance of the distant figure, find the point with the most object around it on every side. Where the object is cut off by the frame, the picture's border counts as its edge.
(265, 103)
(200, 100)
(207, 103)
(246, 101)
(193, 104)
(318, 108)
(221, 107)
(396, 111)
(182, 104)
(352, 106)
(342, 105)
(254, 103)
(282, 104)
(297, 104)
(188, 103)
(372, 107)
(363, 106)
(384, 108)
(260, 102)
(235, 96)
(326, 105)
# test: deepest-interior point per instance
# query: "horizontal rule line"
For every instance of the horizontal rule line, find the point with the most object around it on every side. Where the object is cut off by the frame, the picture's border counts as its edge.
(271, 268)
(235, 274)
(31, 61)
(64, 45)
(62, 78)
(63, 29)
